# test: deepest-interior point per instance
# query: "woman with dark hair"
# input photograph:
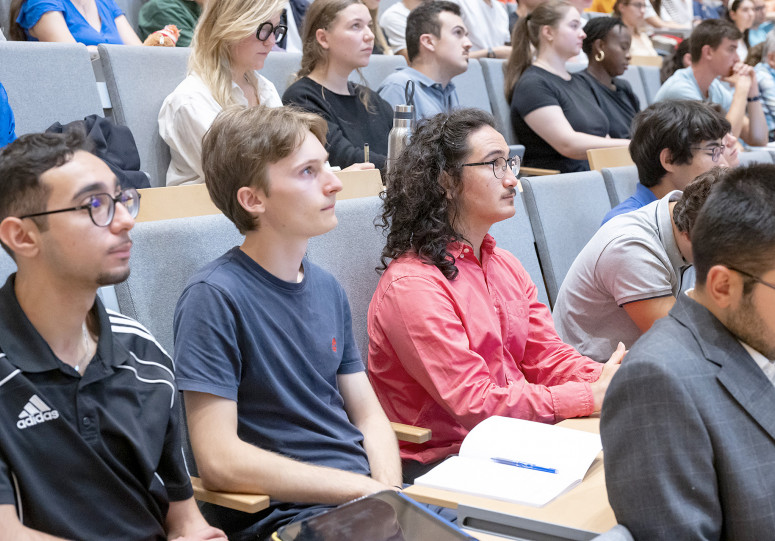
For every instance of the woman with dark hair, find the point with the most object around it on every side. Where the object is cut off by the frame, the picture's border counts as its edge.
(607, 46)
(337, 39)
(554, 114)
(680, 59)
(741, 13)
(456, 332)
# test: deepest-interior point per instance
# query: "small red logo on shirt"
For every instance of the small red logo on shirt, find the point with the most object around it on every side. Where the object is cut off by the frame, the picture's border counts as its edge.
(333, 345)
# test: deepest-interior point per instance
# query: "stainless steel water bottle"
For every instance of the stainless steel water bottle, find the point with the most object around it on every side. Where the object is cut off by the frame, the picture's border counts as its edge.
(403, 123)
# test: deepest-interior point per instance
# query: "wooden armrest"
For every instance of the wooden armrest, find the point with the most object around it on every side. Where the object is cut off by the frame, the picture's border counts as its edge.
(412, 434)
(248, 503)
(536, 171)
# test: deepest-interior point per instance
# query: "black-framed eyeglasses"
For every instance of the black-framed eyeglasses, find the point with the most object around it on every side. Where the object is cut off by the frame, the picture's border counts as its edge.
(267, 29)
(499, 166)
(752, 277)
(715, 151)
(102, 207)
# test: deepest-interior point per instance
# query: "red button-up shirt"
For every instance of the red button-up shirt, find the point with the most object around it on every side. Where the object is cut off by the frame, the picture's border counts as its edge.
(447, 354)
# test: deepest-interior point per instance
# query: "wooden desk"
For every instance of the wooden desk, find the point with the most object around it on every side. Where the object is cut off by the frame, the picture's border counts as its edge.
(585, 506)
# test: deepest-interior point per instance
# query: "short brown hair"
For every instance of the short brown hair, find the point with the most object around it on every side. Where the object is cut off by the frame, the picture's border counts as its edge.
(711, 32)
(242, 143)
(694, 195)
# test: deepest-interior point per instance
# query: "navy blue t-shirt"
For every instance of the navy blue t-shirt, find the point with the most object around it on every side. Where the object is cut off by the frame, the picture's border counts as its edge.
(276, 349)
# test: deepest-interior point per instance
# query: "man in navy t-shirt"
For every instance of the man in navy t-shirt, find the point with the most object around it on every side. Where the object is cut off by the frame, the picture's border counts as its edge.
(276, 394)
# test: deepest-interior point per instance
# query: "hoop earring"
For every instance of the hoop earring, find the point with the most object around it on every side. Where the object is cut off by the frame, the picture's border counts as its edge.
(600, 56)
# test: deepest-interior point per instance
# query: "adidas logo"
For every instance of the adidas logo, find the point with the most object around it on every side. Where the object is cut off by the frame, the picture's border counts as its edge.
(35, 412)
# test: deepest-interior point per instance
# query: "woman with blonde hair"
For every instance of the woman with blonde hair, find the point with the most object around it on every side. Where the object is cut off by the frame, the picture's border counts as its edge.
(337, 39)
(554, 114)
(231, 43)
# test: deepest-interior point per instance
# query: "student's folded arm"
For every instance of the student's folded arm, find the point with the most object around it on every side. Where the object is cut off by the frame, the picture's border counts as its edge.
(379, 440)
(13, 530)
(659, 460)
(425, 329)
(226, 463)
(184, 521)
(644, 313)
(552, 126)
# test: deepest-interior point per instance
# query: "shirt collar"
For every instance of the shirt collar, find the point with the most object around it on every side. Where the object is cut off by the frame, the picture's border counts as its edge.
(767, 366)
(427, 81)
(26, 349)
(644, 195)
(460, 249)
(665, 229)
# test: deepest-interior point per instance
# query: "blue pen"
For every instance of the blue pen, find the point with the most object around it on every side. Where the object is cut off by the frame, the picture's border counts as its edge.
(525, 465)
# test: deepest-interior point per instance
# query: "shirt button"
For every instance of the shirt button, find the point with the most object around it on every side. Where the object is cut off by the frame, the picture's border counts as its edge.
(86, 421)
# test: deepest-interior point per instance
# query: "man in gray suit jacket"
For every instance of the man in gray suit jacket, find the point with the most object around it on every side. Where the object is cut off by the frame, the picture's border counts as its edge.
(688, 423)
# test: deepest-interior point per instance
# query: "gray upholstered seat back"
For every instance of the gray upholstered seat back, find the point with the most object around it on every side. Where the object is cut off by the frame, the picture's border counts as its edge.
(651, 82)
(620, 182)
(633, 76)
(165, 255)
(280, 68)
(471, 88)
(516, 236)
(565, 211)
(351, 252)
(48, 82)
(492, 70)
(755, 156)
(380, 66)
(138, 80)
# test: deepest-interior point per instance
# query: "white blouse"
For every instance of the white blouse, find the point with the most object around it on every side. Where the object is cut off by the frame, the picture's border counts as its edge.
(187, 114)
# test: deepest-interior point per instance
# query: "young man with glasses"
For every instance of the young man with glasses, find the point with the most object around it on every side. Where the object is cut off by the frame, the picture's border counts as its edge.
(630, 272)
(688, 427)
(277, 397)
(90, 438)
(456, 333)
(672, 143)
(713, 48)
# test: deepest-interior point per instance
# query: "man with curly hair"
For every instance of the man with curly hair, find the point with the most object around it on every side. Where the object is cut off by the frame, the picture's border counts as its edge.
(456, 333)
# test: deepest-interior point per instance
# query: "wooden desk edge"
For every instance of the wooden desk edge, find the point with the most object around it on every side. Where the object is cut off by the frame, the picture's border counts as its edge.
(248, 503)
(412, 434)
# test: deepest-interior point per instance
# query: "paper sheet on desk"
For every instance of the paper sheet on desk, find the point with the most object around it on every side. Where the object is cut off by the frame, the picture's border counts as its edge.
(570, 452)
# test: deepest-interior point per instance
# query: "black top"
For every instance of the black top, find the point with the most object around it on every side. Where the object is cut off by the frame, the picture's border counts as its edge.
(350, 124)
(539, 88)
(620, 105)
(96, 456)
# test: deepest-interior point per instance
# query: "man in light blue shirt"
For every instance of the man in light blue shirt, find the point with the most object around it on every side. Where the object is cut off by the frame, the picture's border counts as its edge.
(713, 48)
(437, 45)
(672, 143)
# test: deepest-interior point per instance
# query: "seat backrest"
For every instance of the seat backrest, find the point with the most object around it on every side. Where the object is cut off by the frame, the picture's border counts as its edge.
(492, 70)
(165, 255)
(632, 75)
(516, 236)
(5, 7)
(351, 252)
(471, 88)
(651, 82)
(280, 68)
(755, 156)
(620, 182)
(564, 211)
(608, 157)
(131, 9)
(138, 80)
(380, 66)
(48, 82)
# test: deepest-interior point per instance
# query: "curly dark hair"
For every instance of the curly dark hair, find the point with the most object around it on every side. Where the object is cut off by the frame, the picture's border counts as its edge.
(420, 204)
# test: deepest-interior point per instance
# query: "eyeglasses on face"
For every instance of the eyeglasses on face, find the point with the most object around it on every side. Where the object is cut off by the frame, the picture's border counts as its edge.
(267, 29)
(714, 151)
(637, 5)
(102, 207)
(752, 277)
(499, 166)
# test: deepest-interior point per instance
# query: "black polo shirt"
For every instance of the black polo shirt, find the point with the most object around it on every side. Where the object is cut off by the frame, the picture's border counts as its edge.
(92, 457)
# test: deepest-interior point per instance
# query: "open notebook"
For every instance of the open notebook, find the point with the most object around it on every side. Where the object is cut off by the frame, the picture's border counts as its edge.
(517, 461)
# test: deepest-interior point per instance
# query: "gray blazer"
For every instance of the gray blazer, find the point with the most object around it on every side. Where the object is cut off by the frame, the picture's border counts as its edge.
(688, 429)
